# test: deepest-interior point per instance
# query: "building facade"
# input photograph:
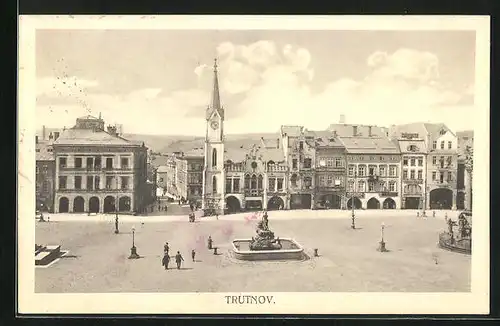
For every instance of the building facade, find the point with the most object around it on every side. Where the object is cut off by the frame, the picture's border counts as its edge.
(45, 174)
(97, 171)
(414, 167)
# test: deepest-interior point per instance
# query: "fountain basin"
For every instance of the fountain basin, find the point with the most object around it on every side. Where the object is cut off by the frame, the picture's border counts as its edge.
(291, 250)
(462, 246)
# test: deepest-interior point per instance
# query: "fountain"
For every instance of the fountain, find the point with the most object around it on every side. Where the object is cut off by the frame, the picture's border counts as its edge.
(265, 246)
(462, 242)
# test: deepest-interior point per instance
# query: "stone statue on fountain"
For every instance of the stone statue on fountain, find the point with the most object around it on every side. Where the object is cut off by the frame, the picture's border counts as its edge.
(265, 239)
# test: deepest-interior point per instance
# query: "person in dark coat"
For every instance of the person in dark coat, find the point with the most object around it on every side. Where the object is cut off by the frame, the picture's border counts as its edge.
(166, 248)
(178, 260)
(193, 254)
(165, 260)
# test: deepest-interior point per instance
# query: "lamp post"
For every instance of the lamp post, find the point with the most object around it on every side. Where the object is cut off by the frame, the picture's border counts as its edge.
(353, 215)
(116, 217)
(133, 250)
(381, 247)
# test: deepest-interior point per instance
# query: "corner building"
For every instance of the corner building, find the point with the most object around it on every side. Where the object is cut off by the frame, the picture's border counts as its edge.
(98, 171)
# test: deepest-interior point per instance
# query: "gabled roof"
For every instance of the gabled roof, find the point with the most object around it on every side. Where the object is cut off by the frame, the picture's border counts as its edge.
(88, 117)
(404, 144)
(43, 151)
(76, 136)
(346, 130)
(369, 145)
(434, 128)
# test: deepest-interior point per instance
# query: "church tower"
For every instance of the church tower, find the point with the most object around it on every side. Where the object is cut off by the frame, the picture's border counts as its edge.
(213, 173)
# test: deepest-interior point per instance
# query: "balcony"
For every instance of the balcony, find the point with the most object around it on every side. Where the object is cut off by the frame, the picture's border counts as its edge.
(253, 192)
(389, 194)
(276, 168)
(413, 181)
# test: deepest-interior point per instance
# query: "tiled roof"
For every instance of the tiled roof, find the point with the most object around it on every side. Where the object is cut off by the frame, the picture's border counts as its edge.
(435, 128)
(195, 152)
(273, 154)
(271, 143)
(346, 130)
(76, 136)
(368, 145)
(43, 152)
(403, 145)
(325, 138)
(409, 128)
(88, 117)
(292, 131)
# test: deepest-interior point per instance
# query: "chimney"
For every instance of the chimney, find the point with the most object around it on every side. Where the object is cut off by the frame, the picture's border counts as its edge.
(342, 119)
(36, 139)
(56, 135)
(354, 130)
(277, 143)
(51, 136)
(335, 133)
(43, 132)
(369, 131)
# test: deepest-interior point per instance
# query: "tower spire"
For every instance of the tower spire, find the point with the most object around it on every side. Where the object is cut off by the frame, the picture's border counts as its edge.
(215, 92)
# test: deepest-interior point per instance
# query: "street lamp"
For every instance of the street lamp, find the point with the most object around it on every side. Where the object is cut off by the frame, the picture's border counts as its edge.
(116, 217)
(133, 250)
(381, 247)
(353, 215)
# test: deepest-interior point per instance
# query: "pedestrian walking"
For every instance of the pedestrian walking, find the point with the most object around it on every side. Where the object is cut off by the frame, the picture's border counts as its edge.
(193, 254)
(166, 248)
(433, 213)
(165, 208)
(178, 260)
(166, 260)
(209, 242)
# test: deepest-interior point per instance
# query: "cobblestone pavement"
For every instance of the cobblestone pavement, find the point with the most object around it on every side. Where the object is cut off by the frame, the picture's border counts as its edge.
(348, 261)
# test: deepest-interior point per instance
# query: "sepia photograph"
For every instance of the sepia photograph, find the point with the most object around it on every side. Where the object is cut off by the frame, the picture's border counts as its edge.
(229, 165)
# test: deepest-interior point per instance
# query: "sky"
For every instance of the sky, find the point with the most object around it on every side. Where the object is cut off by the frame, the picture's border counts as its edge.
(160, 81)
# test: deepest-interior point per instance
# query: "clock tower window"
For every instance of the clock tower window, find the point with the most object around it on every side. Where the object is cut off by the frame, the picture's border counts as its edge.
(214, 184)
(214, 157)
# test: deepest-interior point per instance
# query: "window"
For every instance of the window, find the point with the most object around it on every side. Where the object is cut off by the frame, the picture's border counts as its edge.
(392, 186)
(97, 182)
(228, 185)
(90, 182)
(449, 145)
(412, 162)
(294, 163)
(420, 162)
(124, 163)
(442, 144)
(214, 157)
(161, 180)
(329, 179)
(338, 162)
(450, 177)
(62, 162)
(419, 175)
(405, 174)
(109, 162)
(434, 176)
(351, 186)
(90, 162)
(321, 180)
(109, 182)
(405, 162)
(38, 150)
(97, 162)
(247, 181)
(434, 144)
(412, 174)
(351, 170)
(434, 160)
(37, 170)
(236, 185)
(301, 145)
(448, 160)
(280, 184)
(371, 170)
(259, 182)
(78, 182)
(307, 163)
(361, 186)
(441, 161)
(214, 184)
(124, 182)
(293, 180)
(253, 183)
(441, 177)
(338, 181)
(272, 184)
(307, 182)
(45, 186)
(78, 162)
(382, 170)
(63, 182)
(361, 170)
(371, 186)
(50, 150)
(392, 171)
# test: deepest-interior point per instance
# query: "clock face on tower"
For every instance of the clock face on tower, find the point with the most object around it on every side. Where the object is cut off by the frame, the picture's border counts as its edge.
(214, 125)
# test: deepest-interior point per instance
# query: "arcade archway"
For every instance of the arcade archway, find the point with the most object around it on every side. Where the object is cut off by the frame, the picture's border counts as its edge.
(373, 203)
(357, 203)
(109, 204)
(124, 204)
(94, 205)
(389, 203)
(79, 205)
(332, 201)
(233, 204)
(441, 198)
(275, 203)
(63, 205)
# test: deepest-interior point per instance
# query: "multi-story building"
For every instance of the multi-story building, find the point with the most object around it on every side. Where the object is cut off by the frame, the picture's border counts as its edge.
(330, 189)
(373, 167)
(441, 148)
(299, 151)
(414, 167)
(98, 170)
(464, 176)
(193, 161)
(45, 173)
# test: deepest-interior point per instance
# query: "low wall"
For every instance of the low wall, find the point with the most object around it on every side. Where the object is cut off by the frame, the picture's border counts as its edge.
(445, 243)
(281, 254)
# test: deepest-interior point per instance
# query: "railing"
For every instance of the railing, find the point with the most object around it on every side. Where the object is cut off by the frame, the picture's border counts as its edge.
(413, 181)
(94, 168)
(85, 190)
(277, 168)
(389, 194)
(254, 193)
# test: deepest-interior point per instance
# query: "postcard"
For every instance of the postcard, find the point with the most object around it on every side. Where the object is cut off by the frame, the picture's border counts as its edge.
(253, 165)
